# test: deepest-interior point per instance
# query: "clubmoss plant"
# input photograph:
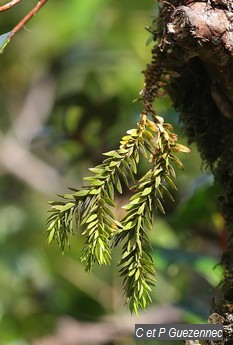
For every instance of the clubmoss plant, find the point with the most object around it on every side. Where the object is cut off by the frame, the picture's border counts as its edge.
(91, 208)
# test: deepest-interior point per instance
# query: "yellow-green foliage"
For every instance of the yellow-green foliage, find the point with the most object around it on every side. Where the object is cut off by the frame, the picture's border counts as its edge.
(91, 207)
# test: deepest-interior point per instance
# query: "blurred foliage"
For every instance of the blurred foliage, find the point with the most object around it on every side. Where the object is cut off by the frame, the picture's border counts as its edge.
(85, 58)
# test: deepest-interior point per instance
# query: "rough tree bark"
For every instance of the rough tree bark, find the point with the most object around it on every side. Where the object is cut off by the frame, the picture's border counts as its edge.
(193, 58)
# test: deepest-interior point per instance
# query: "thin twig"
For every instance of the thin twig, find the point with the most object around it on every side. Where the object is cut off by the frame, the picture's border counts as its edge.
(9, 5)
(27, 17)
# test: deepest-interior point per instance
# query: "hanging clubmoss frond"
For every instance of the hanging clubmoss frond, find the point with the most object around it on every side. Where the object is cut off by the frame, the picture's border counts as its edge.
(91, 208)
(137, 265)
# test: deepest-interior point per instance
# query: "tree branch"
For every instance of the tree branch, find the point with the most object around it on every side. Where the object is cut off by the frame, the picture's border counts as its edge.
(6, 37)
(9, 5)
(27, 17)
(199, 30)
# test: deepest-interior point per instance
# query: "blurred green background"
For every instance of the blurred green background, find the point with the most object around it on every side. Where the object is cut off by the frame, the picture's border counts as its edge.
(67, 82)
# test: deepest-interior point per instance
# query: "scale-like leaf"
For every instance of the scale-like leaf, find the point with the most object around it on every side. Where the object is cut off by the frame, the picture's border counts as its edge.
(170, 182)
